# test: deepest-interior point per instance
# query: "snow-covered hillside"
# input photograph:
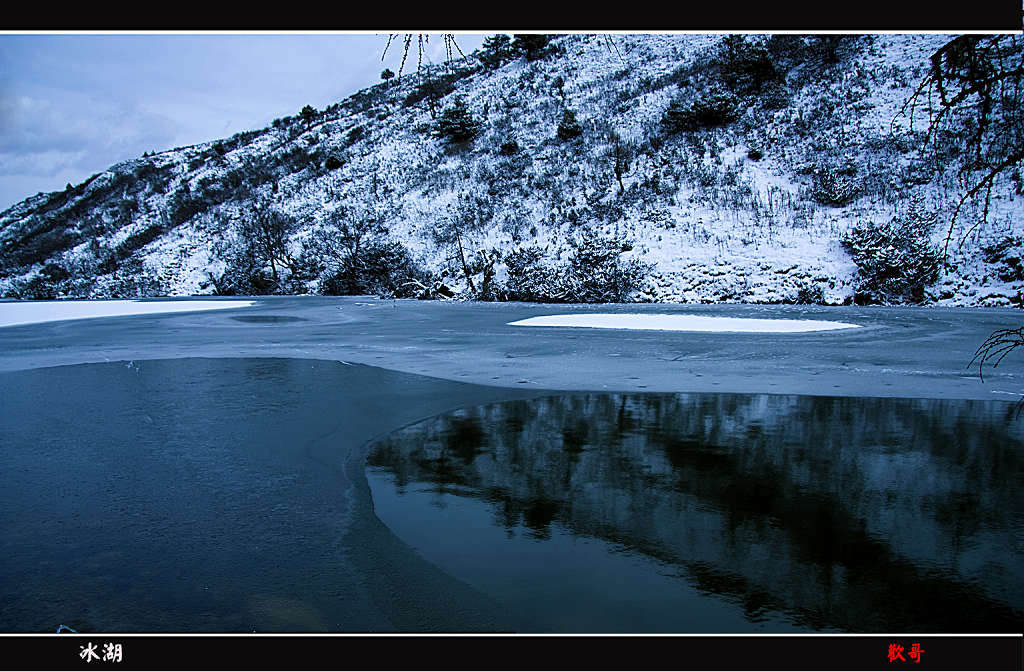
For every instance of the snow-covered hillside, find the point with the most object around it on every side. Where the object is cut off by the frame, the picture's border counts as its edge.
(379, 191)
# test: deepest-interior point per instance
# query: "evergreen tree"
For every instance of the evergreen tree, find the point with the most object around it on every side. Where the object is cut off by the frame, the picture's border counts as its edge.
(746, 67)
(569, 129)
(532, 46)
(308, 113)
(496, 50)
(387, 74)
(457, 123)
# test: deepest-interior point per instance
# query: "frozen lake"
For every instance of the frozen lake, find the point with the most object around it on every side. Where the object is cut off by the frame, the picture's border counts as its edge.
(899, 352)
(232, 470)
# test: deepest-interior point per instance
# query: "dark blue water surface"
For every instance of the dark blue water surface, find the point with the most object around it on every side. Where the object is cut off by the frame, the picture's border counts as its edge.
(283, 495)
(719, 512)
(213, 495)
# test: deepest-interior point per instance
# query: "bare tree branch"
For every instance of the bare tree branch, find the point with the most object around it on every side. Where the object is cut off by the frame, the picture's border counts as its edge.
(972, 94)
(450, 44)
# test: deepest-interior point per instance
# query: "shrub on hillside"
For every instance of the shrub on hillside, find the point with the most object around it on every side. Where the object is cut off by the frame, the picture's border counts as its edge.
(433, 89)
(828, 50)
(138, 240)
(351, 253)
(895, 261)
(259, 263)
(710, 107)
(354, 135)
(185, 205)
(243, 277)
(53, 236)
(808, 293)
(133, 280)
(53, 281)
(787, 50)
(296, 159)
(308, 114)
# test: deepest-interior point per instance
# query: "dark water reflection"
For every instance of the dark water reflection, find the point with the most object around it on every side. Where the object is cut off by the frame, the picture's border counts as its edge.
(724, 512)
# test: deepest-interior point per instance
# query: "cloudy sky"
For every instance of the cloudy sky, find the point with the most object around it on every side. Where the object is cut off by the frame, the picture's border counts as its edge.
(72, 105)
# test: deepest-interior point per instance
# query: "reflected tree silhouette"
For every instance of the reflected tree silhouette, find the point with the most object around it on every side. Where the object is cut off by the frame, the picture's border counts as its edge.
(818, 508)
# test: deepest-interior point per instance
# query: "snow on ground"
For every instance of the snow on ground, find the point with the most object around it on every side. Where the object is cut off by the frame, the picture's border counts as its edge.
(684, 323)
(13, 314)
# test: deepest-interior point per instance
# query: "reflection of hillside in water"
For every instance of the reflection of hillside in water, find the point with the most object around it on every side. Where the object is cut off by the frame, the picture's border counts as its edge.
(858, 514)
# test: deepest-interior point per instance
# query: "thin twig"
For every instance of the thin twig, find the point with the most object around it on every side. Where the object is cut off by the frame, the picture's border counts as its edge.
(421, 40)
(997, 346)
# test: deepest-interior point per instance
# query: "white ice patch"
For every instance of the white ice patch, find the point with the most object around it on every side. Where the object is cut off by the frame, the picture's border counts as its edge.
(684, 323)
(34, 312)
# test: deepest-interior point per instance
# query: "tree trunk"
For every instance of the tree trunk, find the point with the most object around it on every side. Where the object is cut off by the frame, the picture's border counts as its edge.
(465, 267)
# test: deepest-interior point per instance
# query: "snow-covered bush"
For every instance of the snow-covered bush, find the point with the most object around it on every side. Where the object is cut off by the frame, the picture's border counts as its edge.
(242, 277)
(593, 273)
(808, 293)
(833, 187)
(432, 89)
(139, 240)
(382, 267)
(133, 280)
(496, 50)
(1008, 254)
(44, 237)
(895, 261)
(596, 273)
(258, 261)
(530, 278)
(533, 46)
(36, 287)
(351, 253)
